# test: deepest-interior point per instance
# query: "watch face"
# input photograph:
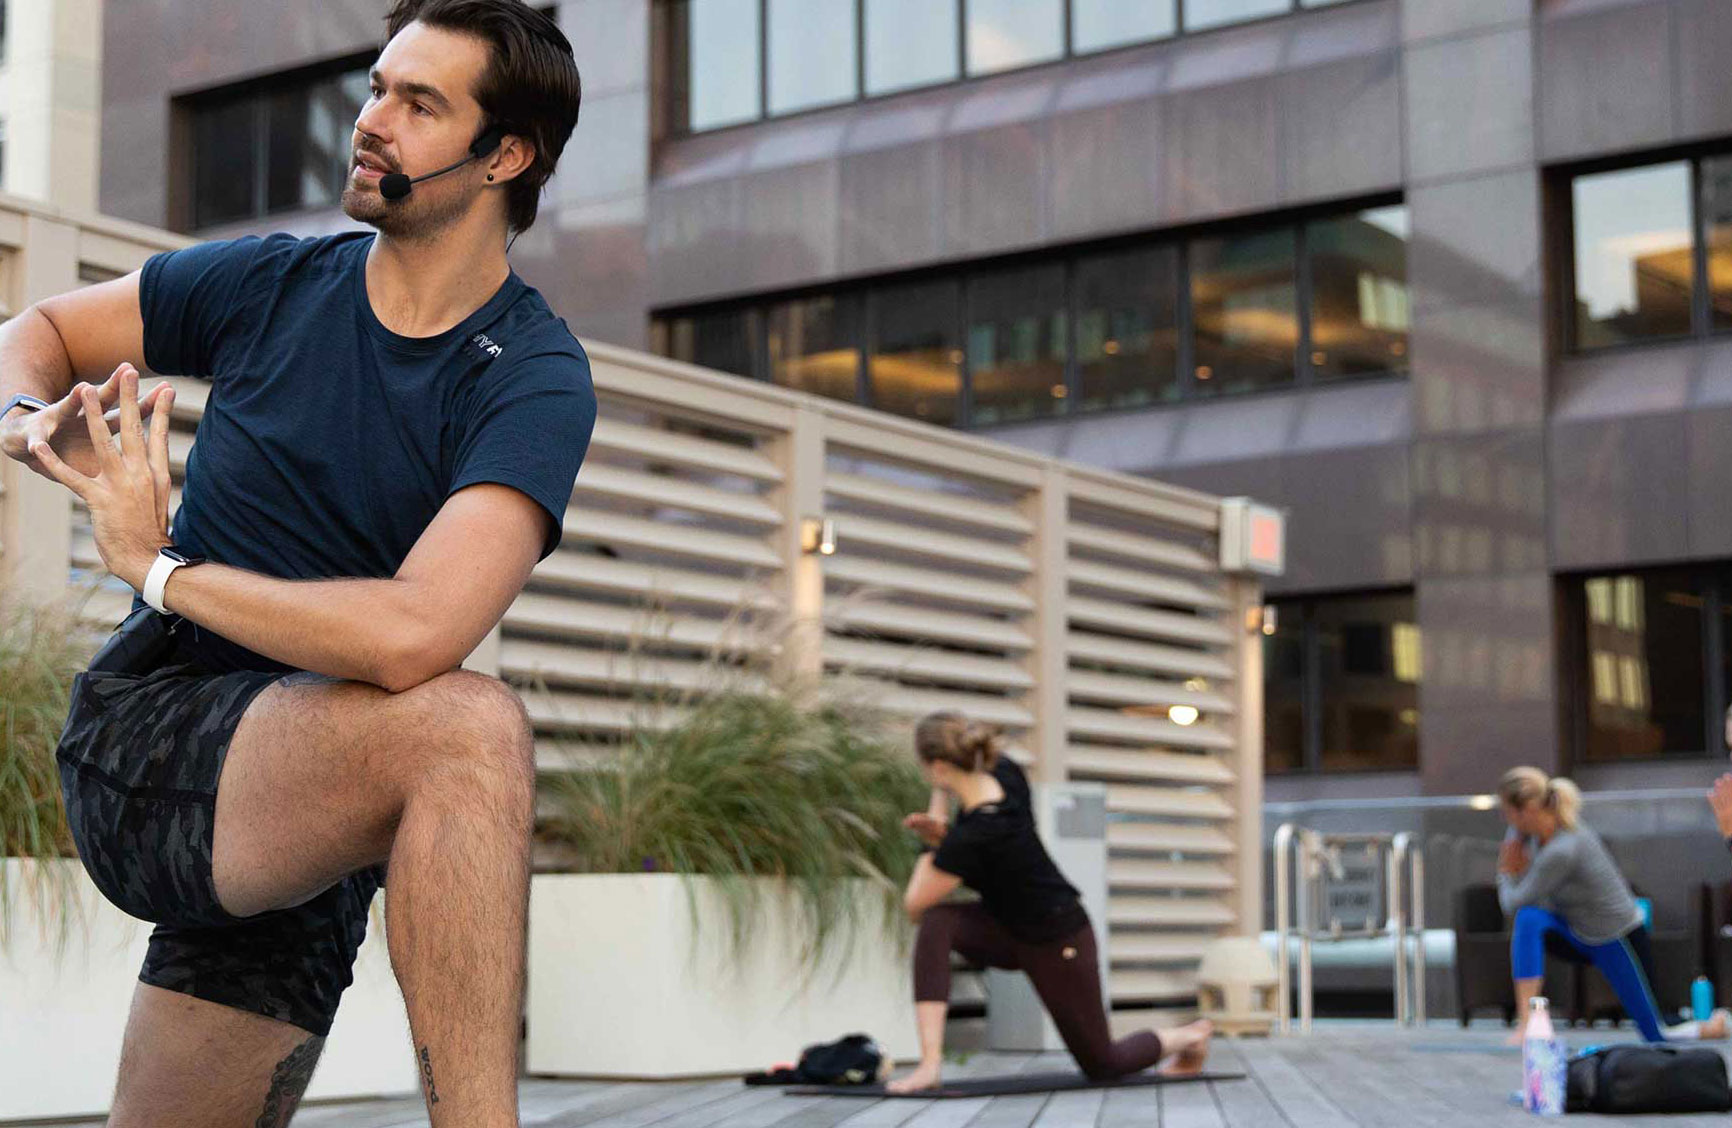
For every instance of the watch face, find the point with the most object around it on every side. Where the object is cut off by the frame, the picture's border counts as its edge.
(180, 557)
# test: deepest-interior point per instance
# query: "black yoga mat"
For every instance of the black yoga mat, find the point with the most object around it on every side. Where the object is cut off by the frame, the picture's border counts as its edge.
(1006, 1086)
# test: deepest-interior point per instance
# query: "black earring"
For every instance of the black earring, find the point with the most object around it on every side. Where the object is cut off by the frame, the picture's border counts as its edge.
(490, 178)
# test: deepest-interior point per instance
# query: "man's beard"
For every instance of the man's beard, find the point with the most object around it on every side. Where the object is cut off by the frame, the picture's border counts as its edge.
(421, 215)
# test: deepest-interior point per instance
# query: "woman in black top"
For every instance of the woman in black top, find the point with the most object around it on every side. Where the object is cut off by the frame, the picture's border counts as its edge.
(1028, 916)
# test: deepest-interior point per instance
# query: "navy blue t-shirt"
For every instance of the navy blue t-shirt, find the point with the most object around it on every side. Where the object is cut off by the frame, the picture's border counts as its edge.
(328, 442)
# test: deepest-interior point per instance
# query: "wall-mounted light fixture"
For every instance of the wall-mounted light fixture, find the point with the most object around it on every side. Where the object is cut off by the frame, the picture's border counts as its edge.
(1261, 618)
(818, 535)
(1183, 714)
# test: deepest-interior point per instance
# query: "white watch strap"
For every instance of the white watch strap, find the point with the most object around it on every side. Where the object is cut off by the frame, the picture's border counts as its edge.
(157, 579)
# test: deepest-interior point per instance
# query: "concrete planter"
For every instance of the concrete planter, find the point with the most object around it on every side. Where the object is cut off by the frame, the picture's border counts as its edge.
(64, 995)
(620, 987)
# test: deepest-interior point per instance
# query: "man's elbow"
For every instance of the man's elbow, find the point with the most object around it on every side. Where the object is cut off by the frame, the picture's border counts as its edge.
(407, 659)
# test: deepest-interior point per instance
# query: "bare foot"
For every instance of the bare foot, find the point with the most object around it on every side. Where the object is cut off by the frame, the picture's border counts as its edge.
(1188, 1048)
(1517, 1036)
(1717, 1026)
(923, 1077)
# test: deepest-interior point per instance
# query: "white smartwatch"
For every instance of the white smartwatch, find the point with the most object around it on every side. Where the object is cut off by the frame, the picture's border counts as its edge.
(168, 558)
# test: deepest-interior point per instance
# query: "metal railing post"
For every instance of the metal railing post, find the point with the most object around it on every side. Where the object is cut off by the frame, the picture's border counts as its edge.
(1395, 868)
(1417, 884)
(1283, 861)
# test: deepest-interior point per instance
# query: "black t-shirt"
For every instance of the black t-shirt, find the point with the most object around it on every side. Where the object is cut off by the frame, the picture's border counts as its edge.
(329, 443)
(996, 852)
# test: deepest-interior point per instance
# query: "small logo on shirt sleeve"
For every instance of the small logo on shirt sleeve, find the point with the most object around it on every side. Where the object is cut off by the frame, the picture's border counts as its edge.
(485, 344)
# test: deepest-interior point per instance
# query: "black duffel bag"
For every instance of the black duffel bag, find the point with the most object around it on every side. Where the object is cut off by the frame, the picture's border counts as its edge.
(1636, 1079)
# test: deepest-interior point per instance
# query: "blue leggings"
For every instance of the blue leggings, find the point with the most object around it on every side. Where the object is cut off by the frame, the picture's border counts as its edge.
(1619, 961)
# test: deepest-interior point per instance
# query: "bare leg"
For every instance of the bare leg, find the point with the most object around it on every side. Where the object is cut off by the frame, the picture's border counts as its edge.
(325, 777)
(1526, 990)
(930, 1019)
(251, 1070)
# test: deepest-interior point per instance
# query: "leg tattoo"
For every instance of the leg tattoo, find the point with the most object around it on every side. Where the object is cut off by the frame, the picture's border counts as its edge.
(427, 1077)
(288, 1082)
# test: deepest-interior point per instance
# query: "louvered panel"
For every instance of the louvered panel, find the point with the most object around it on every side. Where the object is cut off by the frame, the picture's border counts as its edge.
(1179, 802)
(1131, 873)
(1103, 724)
(570, 618)
(927, 663)
(1085, 761)
(1163, 626)
(918, 540)
(652, 583)
(1138, 550)
(1132, 911)
(1168, 836)
(881, 575)
(1125, 653)
(909, 701)
(954, 509)
(1122, 689)
(1159, 948)
(924, 624)
(598, 478)
(698, 542)
(688, 450)
(554, 712)
(1144, 586)
(106, 607)
(560, 664)
(1135, 985)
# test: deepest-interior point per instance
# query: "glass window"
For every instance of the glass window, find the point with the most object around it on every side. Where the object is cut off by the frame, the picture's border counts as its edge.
(1717, 223)
(726, 341)
(226, 167)
(1643, 667)
(812, 53)
(1284, 690)
(909, 43)
(1359, 299)
(1013, 33)
(1368, 658)
(916, 365)
(1244, 311)
(814, 346)
(309, 143)
(1127, 337)
(1096, 25)
(1016, 344)
(1634, 269)
(721, 62)
(1320, 3)
(1201, 14)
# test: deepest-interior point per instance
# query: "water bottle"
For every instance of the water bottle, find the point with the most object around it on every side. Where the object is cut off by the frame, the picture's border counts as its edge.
(1701, 999)
(1543, 1063)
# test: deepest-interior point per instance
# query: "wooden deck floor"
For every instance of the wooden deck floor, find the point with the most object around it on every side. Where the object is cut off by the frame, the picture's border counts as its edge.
(1364, 1074)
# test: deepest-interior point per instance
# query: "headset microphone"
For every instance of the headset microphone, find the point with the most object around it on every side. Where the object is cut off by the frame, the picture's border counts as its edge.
(396, 186)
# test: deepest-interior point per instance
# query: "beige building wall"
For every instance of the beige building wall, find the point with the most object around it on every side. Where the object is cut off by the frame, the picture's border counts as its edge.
(51, 100)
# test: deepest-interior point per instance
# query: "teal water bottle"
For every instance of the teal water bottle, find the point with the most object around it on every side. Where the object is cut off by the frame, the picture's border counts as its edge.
(1701, 999)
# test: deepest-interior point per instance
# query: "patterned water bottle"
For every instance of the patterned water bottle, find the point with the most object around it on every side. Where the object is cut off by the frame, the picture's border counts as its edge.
(1543, 1063)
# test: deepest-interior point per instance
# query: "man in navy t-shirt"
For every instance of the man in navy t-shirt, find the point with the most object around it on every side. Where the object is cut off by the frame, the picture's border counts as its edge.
(393, 428)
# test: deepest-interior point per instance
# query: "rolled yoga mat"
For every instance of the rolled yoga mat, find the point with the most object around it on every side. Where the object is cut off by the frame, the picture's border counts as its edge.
(1006, 1086)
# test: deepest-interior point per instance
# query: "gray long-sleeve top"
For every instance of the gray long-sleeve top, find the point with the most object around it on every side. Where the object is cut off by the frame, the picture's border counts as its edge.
(1574, 876)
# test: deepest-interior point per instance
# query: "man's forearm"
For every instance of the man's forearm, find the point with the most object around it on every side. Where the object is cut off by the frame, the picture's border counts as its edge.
(359, 630)
(33, 358)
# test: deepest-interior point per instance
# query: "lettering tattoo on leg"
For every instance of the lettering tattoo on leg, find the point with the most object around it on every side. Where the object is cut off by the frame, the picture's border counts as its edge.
(427, 1076)
(288, 1082)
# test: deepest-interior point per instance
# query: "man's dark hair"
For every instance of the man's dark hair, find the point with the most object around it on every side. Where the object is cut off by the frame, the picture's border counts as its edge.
(530, 87)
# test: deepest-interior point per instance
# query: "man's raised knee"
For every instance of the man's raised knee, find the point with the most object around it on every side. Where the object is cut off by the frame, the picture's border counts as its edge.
(478, 719)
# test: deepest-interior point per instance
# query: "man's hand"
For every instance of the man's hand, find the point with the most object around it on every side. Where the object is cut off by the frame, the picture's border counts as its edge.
(1720, 798)
(128, 495)
(928, 829)
(62, 428)
(1512, 858)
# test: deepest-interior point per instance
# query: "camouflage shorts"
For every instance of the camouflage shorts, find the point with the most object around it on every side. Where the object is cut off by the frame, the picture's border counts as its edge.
(139, 761)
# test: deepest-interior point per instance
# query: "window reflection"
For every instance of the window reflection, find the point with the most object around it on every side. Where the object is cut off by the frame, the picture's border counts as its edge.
(916, 365)
(814, 346)
(909, 43)
(1644, 672)
(1244, 307)
(1284, 690)
(1369, 666)
(1717, 224)
(226, 167)
(1634, 264)
(1013, 33)
(720, 67)
(1127, 336)
(812, 55)
(1096, 25)
(310, 132)
(1016, 344)
(726, 341)
(1359, 297)
(1200, 14)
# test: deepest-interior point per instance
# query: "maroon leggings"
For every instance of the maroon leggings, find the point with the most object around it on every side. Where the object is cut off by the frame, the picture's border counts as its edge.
(1065, 974)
